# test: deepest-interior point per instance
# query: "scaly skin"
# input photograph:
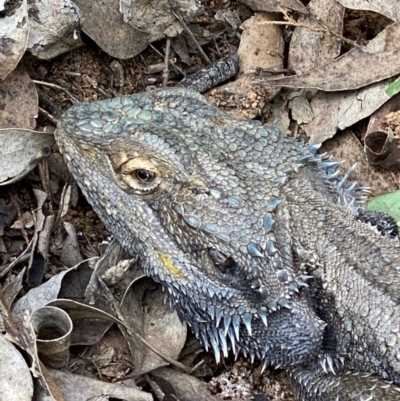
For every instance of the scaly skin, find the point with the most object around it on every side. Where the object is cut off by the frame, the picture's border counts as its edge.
(254, 236)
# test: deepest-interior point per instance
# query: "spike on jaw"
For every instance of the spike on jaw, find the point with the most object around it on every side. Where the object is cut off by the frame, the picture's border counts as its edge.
(222, 341)
(227, 323)
(213, 336)
(204, 340)
(236, 325)
(247, 322)
(211, 311)
(284, 303)
(218, 316)
(233, 341)
(217, 353)
(262, 313)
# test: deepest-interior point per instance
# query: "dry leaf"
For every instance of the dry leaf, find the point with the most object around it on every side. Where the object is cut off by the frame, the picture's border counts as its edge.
(14, 31)
(187, 387)
(345, 146)
(18, 92)
(388, 8)
(380, 145)
(71, 253)
(53, 28)
(275, 5)
(261, 49)
(20, 332)
(81, 388)
(382, 150)
(359, 67)
(339, 110)
(131, 25)
(300, 107)
(311, 49)
(15, 378)
(71, 282)
(144, 310)
(261, 45)
(20, 152)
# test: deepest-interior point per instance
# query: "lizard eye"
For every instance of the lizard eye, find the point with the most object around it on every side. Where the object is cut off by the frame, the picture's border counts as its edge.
(143, 175)
(140, 174)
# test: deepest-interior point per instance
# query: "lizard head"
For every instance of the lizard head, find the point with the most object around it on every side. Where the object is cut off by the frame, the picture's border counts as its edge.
(195, 193)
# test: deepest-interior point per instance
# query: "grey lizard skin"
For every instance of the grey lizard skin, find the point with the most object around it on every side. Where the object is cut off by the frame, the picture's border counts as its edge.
(254, 236)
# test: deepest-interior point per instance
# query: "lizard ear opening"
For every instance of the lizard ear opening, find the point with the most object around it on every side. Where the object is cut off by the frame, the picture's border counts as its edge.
(224, 263)
(140, 174)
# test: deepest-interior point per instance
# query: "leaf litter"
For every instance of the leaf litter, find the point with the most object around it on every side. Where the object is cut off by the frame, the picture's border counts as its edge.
(118, 316)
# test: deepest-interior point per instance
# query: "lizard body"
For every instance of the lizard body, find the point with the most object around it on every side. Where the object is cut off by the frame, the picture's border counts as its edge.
(255, 237)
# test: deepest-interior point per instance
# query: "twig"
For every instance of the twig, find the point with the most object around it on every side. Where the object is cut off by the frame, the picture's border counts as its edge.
(56, 87)
(16, 261)
(178, 15)
(171, 63)
(196, 366)
(48, 116)
(165, 74)
(311, 28)
(290, 21)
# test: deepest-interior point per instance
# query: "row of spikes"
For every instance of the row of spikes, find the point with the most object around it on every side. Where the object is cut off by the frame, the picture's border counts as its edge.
(332, 173)
(180, 302)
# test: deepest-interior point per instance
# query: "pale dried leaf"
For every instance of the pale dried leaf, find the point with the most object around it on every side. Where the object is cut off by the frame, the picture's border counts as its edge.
(300, 107)
(378, 121)
(310, 49)
(349, 71)
(53, 328)
(84, 313)
(333, 111)
(50, 290)
(388, 8)
(18, 101)
(157, 324)
(21, 333)
(345, 146)
(53, 28)
(187, 387)
(278, 114)
(275, 5)
(117, 38)
(12, 289)
(71, 253)
(131, 26)
(15, 377)
(382, 150)
(81, 388)
(14, 31)
(37, 262)
(20, 152)
(261, 45)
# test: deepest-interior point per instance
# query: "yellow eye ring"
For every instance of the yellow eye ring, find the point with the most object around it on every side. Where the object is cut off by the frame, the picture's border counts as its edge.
(140, 174)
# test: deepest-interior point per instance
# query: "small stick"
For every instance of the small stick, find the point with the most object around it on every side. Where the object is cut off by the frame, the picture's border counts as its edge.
(56, 87)
(165, 74)
(179, 17)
